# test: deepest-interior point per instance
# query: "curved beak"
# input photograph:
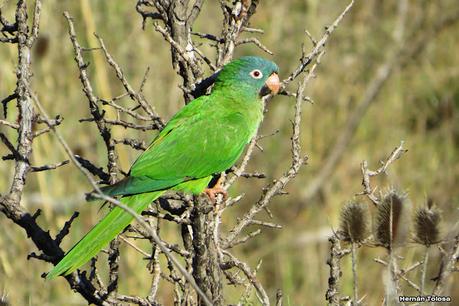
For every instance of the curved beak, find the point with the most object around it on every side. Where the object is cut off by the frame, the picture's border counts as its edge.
(273, 83)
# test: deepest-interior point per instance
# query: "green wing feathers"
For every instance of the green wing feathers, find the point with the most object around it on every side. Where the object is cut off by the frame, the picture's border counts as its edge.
(102, 233)
(200, 140)
(134, 185)
(205, 137)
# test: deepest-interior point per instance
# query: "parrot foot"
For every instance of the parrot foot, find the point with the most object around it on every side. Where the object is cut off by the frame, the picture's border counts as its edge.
(214, 191)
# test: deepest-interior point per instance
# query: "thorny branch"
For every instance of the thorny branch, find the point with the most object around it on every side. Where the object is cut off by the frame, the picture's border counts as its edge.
(426, 231)
(205, 253)
(298, 160)
(205, 249)
(336, 254)
(448, 266)
(98, 194)
(237, 17)
(96, 112)
(367, 174)
(10, 204)
(402, 53)
(137, 97)
(319, 46)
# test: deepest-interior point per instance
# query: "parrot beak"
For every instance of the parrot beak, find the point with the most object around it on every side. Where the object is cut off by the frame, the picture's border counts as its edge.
(273, 83)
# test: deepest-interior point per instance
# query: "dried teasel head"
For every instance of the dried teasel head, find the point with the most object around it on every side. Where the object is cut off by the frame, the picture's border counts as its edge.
(354, 222)
(392, 222)
(426, 225)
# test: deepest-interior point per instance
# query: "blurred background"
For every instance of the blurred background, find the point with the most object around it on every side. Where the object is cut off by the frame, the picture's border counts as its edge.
(418, 102)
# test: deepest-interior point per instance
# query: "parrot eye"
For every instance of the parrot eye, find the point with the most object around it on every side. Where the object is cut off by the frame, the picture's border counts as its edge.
(256, 74)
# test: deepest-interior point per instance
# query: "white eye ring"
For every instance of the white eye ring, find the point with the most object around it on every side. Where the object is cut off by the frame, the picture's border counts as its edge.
(256, 74)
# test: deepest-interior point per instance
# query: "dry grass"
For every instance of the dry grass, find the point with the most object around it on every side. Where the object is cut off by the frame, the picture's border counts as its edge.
(419, 104)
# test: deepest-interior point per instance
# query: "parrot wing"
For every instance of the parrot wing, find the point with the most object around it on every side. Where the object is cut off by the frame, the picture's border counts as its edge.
(198, 141)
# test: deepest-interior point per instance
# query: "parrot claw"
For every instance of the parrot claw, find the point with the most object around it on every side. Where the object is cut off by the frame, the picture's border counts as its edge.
(214, 191)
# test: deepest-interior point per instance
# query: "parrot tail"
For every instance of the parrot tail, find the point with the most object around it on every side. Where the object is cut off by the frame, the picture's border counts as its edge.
(102, 233)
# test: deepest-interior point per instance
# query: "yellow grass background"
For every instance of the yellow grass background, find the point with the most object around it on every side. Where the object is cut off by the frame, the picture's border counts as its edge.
(418, 104)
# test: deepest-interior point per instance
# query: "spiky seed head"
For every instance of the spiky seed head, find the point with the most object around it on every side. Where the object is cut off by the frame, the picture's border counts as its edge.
(354, 222)
(391, 225)
(426, 225)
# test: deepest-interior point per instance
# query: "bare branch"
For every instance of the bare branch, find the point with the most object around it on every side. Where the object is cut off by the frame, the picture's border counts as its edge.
(134, 143)
(402, 53)
(49, 167)
(305, 60)
(35, 24)
(93, 169)
(9, 124)
(234, 262)
(254, 41)
(447, 267)
(5, 101)
(400, 274)
(10, 203)
(98, 116)
(134, 96)
(98, 194)
(66, 229)
(277, 186)
(366, 173)
(334, 261)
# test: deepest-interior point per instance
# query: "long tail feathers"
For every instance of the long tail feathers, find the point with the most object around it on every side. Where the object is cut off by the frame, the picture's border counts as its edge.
(102, 233)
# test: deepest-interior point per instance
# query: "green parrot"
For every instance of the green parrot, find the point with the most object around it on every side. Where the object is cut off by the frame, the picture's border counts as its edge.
(206, 137)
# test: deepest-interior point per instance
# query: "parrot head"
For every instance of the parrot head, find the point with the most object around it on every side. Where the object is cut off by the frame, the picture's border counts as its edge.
(255, 74)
